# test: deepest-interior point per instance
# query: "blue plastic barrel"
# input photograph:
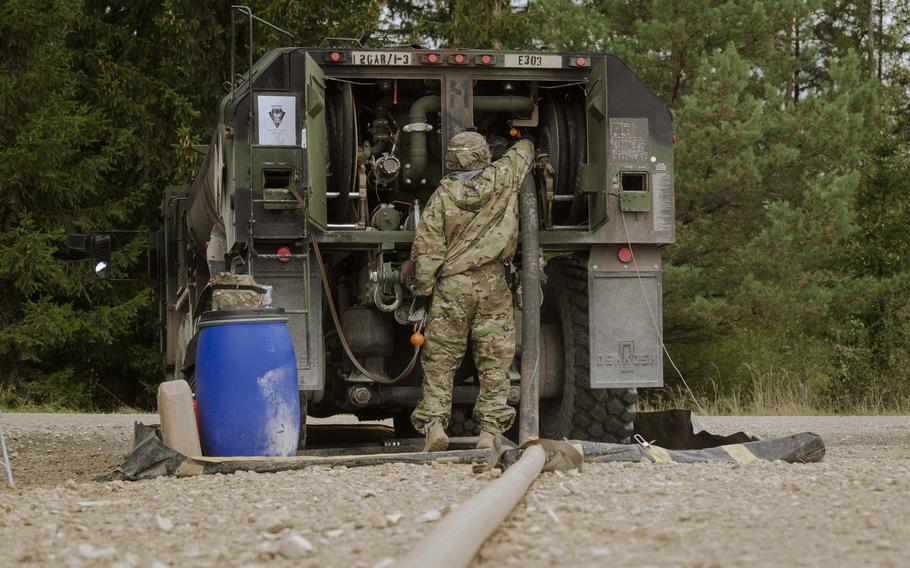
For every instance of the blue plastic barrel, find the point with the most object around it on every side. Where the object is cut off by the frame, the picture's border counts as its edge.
(246, 384)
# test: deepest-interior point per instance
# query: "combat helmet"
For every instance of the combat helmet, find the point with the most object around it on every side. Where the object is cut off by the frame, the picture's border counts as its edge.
(468, 151)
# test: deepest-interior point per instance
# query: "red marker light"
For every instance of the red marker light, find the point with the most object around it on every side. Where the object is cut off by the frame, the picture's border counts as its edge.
(335, 56)
(459, 58)
(284, 254)
(432, 58)
(486, 59)
(624, 255)
(580, 61)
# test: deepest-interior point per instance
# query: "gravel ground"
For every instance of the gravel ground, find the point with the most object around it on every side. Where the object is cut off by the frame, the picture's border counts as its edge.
(853, 508)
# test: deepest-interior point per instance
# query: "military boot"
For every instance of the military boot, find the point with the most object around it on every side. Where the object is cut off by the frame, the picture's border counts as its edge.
(437, 441)
(485, 440)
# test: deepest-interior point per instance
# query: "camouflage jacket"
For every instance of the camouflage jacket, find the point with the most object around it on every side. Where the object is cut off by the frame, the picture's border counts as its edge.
(471, 219)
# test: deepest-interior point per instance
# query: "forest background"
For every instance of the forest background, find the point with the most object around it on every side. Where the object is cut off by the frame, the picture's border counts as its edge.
(787, 290)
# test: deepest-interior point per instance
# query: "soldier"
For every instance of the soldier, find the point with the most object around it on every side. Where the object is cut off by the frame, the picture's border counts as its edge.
(467, 234)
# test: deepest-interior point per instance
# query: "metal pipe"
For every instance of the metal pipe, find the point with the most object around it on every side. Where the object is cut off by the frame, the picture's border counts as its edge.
(233, 48)
(460, 445)
(6, 464)
(528, 424)
(504, 103)
(277, 29)
(417, 115)
(455, 540)
(569, 228)
(410, 396)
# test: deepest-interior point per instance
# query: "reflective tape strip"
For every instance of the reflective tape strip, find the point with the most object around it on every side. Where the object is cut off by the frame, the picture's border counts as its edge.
(659, 454)
(449, 459)
(189, 469)
(740, 453)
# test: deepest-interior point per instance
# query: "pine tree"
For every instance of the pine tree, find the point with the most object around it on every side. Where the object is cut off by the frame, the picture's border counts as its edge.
(101, 103)
(61, 331)
(793, 125)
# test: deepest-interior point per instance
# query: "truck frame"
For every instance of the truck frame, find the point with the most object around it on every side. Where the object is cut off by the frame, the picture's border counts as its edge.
(342, 145)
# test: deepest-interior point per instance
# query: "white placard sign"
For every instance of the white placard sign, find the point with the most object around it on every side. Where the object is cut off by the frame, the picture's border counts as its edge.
(277, 118)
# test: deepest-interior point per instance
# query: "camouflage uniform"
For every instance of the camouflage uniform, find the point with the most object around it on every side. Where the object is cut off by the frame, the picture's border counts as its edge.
(468, 230)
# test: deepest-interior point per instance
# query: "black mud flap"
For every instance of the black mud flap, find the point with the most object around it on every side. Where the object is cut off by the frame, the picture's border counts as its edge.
(680, 430)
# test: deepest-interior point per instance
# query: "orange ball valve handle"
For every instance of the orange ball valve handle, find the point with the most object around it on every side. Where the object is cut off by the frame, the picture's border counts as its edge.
(417, 338)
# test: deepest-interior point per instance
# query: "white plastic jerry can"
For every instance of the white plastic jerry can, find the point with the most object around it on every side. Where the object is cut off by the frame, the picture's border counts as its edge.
(178, 420)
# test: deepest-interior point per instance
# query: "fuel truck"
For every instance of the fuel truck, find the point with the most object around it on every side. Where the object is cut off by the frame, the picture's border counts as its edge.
(313, 182)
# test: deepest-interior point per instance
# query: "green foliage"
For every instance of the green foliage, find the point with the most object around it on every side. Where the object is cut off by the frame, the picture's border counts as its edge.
(58, 153)
(100, 105)
(786, 186)
(472, 24)
(791, 117)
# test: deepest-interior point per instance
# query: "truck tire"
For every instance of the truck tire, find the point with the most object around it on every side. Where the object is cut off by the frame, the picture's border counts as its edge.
(580, 412)
(301, 438)
(403, 427)
(462, 422)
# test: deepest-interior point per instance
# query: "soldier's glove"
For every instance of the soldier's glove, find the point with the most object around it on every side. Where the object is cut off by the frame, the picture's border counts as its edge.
(419, 309)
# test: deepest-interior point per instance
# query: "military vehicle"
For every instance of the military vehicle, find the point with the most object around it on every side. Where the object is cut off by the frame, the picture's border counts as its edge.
(314, 180)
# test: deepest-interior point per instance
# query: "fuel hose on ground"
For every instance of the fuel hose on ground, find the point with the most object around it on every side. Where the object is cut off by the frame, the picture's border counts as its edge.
(344, 341)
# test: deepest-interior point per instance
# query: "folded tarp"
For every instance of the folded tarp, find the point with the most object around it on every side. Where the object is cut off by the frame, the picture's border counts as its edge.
(151, 458)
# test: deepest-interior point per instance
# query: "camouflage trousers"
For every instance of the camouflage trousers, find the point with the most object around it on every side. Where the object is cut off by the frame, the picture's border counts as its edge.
(476, 304)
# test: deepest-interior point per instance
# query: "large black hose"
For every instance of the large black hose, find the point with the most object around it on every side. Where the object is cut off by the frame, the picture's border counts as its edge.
(528, 425)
